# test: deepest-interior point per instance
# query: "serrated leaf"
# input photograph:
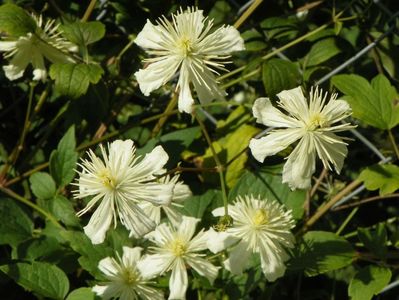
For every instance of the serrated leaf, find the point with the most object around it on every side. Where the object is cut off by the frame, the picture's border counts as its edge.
(368, 281)
(382, 177)
(81, 294)
(279, 75)
(277, 27)
(37, 247)
(62, 209)
(45, 279)
(320, 252)
(322, 51)
(42, 185)
(254, 40)
(268, 184)
(84, 33)
(63, 160)
(15, 21)
(73, 79)
(195, 206)
(372, 103)
(15, 225)
(374, 240)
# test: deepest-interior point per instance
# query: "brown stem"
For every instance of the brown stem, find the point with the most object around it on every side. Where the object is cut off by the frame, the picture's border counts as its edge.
(367, 200)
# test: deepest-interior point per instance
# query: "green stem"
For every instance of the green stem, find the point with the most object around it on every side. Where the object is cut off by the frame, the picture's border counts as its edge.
(219, 166)
(31, 204)
(393, 142)
(171, 106)
(347, 220)
(247, 13)
(89, 10)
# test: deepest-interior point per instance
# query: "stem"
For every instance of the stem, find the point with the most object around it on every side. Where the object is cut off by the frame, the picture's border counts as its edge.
(31, 204)
(89, 10)
(171, 106)
(393, 142)
(327, 205)
(310, 193)
(219, 166)
(274, 52)
(247, 13)
(347, 220)
(367, 200)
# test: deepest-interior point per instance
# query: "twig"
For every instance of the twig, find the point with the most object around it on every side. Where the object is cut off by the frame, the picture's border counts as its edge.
(367, 200)
(89, 10)
(247, 13)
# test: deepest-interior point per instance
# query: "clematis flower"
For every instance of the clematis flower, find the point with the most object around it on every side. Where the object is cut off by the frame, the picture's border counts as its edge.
(45, 42)
(120, 181)
(311, 124)
(181, 192)
(125, 281)
(187, 45)
(259, 226)
(176, 248)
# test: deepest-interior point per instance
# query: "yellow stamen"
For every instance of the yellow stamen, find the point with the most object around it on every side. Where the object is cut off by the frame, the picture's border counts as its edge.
(261, 217)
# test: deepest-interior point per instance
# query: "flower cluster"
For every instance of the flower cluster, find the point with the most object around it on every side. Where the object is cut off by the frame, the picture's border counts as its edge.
(139, 193)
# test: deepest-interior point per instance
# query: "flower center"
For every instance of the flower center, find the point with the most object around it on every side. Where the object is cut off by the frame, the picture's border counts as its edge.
(186, 46)
(107, 179)
(316, 121)
(130, 276)
(260, 217)
(178, 247)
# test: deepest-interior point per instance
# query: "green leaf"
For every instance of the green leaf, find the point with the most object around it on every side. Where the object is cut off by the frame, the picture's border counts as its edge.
(90, 254)
(322, 51)
(320, 252)
(15, 21)
(372, 103)
(15, 225)
(35, 248)
(42, 185)
(84, 33)
(279, 75)
(267, 183)
(276, 27)
(382, 177)
(63, 160)
(195, 206)
(368, 281)
(375, 240)
(43, 278)
(81, 294)
(73, 79)
(62, 209)
(254, 40)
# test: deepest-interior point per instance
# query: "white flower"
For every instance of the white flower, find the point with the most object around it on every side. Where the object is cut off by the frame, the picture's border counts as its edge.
(125, 280)
(311, 124)
(175, 249)
(181, 192)
(33, 47)
(186, 44)
(260, 226)
(120, 181)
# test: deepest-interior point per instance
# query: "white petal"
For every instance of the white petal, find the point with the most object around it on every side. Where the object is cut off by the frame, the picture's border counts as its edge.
(157, 74)
(294, 102)
(149, 37)
(266, 114)
(174, 216)
(151, 210)
(218, 241)
(178, 282)
(7, 45)
(187, 227)
(156, 193)
(222, 41)
(238, 258)
(108, 266)
(300, 166)
(272, 266)
(218, 212)
(131, 255)
(336, 110)
(39, 72)
(100, 221)
(100, 290)
(152, 163)
(154, 265)
(331, 148)
(186, 100)
(204, 268)
(121, 153)
(274, 142)
(148, 293)
(181, 192)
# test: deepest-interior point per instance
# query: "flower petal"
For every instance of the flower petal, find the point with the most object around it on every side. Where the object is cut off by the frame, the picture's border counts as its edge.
(336, 110)
(186, 100)
(331, 148)
(274, 142)
(294, 102)
(178, 281)
(100, 221)
(109, 267)
(300, 166)
(157, 74)
(204, 268)
(150, 37)
(218, 241)
(131, 255)
(151, 164)
(266, 114)
(238, 258)
(154, 265)
(272, 263)
(187, 227)
(222, 41)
